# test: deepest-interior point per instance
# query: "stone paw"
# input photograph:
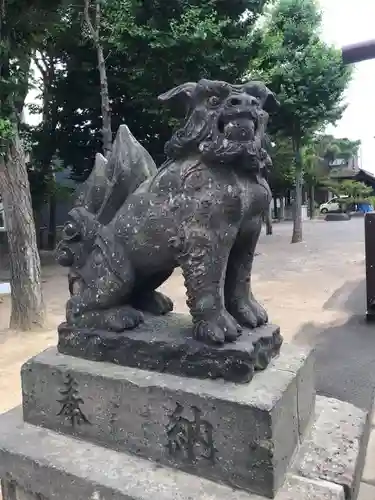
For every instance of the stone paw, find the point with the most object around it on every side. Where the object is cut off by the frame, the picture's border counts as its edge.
(116, 319)
(123, 318)
(217, 330)
(248, 313)
(154, 302)
(74, 308)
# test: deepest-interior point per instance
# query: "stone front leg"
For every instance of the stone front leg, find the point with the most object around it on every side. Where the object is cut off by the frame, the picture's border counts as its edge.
(203, 261)
(239, 298)
(210, 211)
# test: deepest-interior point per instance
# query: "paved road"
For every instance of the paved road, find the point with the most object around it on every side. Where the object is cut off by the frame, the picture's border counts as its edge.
(332, 254)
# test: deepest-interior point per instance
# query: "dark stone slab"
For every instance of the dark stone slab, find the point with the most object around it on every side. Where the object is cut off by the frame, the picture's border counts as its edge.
(165, 344)
(332, 216)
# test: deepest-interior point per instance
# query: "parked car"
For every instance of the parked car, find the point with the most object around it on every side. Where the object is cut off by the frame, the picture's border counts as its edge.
(331, 205)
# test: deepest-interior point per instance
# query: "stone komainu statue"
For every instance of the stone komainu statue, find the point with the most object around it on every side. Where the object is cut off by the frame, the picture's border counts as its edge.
(132, 224)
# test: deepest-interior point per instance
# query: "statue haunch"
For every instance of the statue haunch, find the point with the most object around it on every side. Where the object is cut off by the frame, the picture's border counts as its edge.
(132, 224)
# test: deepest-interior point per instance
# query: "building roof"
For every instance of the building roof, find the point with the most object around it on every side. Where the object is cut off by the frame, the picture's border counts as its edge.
(365, 176)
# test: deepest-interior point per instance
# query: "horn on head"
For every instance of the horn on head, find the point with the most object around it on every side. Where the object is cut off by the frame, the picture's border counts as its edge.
(185, 91)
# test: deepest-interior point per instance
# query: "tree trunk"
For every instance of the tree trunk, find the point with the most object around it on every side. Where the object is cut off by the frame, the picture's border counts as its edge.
(37, 225)
(106, 108)
(26, 289)
(268, 221)
(282, 208)
(311, 201)
(297, 209)
(275, 209)
(94, 26)
(52, 222)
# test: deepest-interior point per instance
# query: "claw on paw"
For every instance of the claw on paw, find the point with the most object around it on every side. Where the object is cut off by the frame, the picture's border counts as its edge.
(117, 319)
(217, 330)
(249, 313)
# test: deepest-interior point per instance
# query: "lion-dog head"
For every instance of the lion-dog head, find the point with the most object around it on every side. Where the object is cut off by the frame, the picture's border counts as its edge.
(225, 124)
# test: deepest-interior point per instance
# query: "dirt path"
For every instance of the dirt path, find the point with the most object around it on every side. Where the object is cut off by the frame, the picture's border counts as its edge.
(300, 284)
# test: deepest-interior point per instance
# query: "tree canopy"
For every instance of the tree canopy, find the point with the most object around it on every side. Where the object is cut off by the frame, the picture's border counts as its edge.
(307, 75)
(149, 48)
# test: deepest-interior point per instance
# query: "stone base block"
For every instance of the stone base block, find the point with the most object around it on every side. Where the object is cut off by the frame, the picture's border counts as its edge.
(40, 464)
(335, 448)
(241, 435)
(165, 344)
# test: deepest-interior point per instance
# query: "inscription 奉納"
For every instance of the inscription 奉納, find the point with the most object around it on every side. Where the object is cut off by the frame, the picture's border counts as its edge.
(71, 403)
(191, 438)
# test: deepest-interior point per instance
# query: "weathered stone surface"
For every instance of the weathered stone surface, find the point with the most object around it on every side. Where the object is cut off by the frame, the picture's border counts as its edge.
(299, 488)
(201, 211)
(332, 216)
(12, 491)
(254, 427)
(335, 448)
(55, 467)
(302, 363)
(369, 470)
(166, 344)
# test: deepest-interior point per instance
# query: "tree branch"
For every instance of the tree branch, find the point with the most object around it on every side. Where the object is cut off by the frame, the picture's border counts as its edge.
(97, 19)
(44, 57)
(23, 85)
(43, 70)
(93, 30)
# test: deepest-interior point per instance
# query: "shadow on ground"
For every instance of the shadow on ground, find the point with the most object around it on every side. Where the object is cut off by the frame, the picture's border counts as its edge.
(345, 352)
(350, 298)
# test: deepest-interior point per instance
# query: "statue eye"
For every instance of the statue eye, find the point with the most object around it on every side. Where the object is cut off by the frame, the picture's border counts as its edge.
(214, 101)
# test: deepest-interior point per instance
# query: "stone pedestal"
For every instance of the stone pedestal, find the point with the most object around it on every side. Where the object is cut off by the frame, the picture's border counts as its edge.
(244, 435)
(165, 344)
(98, 431)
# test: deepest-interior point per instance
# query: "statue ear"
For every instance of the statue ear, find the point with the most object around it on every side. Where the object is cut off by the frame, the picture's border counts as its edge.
(184, 91)
(271, 103)
(266, 97)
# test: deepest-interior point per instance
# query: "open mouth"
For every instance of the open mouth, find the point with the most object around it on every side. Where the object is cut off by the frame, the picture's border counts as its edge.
(238, 128)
